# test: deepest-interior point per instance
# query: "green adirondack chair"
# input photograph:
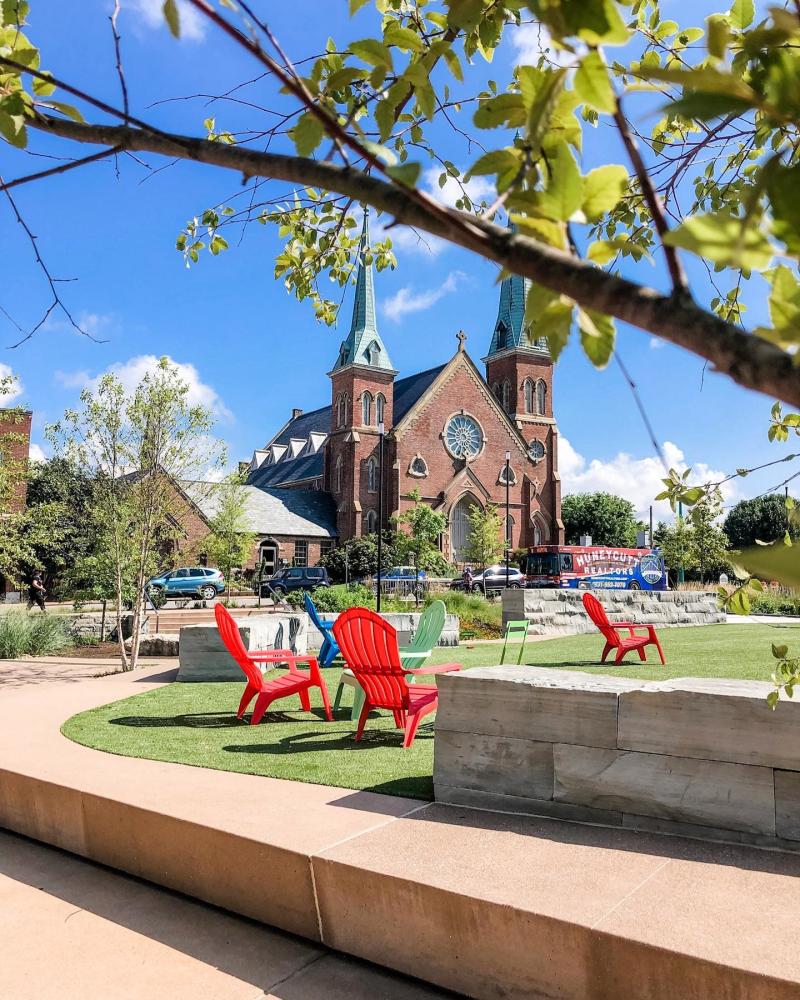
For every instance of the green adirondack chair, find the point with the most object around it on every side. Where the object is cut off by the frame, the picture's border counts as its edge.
(431, 626)
(515, 632)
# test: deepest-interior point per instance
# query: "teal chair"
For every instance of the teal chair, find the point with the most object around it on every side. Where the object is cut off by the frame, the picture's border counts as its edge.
(431, 626)
(515, 632)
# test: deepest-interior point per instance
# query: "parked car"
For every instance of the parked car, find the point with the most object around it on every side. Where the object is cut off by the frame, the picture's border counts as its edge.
(199, 581)
(295, 578)
(407, 573)
(493, 578)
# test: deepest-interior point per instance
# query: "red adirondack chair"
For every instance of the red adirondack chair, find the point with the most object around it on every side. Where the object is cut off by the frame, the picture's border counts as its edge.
(614, 640)
(368, 644)
(295, 682)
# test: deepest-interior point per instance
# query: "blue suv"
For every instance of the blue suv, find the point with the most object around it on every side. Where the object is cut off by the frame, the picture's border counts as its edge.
(198, 581)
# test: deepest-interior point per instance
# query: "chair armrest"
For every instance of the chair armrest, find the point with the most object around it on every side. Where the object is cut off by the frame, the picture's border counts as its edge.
(439, 668)
(631, 625)
(278, 655)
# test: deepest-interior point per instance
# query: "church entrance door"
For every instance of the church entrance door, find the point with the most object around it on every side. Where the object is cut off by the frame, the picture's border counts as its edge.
(460, 531)
(268, 558)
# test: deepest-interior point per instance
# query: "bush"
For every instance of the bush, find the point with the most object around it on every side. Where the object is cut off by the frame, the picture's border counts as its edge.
(775, 604)
(36, 634)
(337, 598)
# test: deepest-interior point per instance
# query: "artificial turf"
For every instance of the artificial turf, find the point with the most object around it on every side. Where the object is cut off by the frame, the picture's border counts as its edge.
(196, 723)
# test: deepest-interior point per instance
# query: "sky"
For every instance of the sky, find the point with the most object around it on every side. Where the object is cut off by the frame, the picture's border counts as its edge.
(248, 349)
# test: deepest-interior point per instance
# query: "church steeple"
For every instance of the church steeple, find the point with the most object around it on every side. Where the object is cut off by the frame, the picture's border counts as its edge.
(510, 331)
(363, 345)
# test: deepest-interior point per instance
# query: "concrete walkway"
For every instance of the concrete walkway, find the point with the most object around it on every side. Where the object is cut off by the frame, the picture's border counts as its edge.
(73, 930)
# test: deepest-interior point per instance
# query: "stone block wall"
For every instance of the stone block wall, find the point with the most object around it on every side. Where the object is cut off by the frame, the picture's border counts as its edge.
(203, 656)
(560, 612)
(696, 757)
(406, 625)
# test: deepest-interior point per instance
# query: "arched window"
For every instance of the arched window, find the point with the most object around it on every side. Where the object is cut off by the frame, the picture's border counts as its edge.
(527, 388)
(497, 392)
(507, 396)
(341, 409)
(372, 475)
(380, 406)
(366, 408)
(338, 476)
(501, 336)
(541, 397)
(372, 522)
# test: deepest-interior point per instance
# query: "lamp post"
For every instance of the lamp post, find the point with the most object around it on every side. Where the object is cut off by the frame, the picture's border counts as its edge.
(381, 431)
(508, 519)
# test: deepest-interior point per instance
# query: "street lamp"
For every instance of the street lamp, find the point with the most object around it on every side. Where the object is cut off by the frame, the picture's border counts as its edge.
(381, 431)
(508, 519)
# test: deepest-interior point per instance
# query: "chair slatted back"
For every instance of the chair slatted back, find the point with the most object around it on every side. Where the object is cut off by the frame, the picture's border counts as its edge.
(229, 631)
(368, 644)
(431, 626)
(596, 611)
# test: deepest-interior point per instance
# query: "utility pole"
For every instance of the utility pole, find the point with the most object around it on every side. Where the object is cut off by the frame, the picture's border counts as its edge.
(680, 567)
(380, 509)
(508, 521)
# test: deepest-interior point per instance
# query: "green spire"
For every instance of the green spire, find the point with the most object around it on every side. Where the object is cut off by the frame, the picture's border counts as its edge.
(363, 345)
(510, 331)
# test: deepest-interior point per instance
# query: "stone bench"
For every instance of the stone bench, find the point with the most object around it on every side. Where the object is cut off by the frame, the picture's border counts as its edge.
(699, 757)
(552, 611)
(203, 656)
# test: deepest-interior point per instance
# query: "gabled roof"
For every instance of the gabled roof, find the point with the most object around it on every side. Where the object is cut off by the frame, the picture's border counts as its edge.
(408, 390)
(293, 470)
(274, 512)
(300, 427)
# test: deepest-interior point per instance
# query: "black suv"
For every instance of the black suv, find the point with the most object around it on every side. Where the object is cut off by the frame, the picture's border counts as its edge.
(295, 578)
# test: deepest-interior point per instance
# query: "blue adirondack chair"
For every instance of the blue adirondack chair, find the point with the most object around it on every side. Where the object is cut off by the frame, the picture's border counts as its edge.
(330, 648)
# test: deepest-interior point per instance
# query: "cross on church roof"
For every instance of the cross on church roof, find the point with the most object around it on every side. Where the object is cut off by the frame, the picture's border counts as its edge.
(461, 337)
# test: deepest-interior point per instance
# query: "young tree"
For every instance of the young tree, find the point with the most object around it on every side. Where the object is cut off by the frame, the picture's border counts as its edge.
(717, 176)
(421, 540)
(763, 519)
(709, 542)
(231, 540)
(609, 519)
(358, 557)
(486, 541)
(136, 448)
(676, 544)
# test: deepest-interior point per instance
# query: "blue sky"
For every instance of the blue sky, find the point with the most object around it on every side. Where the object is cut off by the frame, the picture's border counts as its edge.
(255, 352)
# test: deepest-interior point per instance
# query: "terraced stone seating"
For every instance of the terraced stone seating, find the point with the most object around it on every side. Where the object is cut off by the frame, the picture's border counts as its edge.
(699, 757)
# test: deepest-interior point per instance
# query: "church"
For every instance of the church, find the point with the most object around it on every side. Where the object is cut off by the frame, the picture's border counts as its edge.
(446, 433)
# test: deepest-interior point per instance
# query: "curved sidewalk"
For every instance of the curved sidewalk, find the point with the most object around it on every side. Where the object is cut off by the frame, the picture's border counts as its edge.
(487, 904)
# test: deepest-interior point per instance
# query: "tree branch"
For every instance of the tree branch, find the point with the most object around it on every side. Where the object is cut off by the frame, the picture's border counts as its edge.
(747, 359)
(656, 209)
(62, 168)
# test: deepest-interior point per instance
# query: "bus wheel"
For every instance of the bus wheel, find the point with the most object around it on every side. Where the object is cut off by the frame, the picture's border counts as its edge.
(633, 585)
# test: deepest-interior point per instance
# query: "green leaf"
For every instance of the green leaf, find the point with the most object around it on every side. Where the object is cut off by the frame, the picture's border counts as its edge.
(564, 192)
(217, 244)
(603, 188)
(43, 88)
(720, 238)
(742, 13)
(505, 109)
(356, 5)
(307, 134)
(593, 85)
(597, 336)
(464, 14)
(403, 38)
(706, 106)
(780, 652)
(172, 17)
(542, 106)
(496, 161)
(719, 33)
(66, 109)
(12, 129)
(772, 699)
(774, 562)
(453, 64)
(555, 323)
(704, 78)
(406, 173)
(371, 51)
(344, 77)
(784, 300)
(782, 188)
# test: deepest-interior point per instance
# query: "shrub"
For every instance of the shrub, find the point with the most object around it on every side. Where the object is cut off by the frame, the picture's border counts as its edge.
(768, 603)
(24, 634)
(340, 597)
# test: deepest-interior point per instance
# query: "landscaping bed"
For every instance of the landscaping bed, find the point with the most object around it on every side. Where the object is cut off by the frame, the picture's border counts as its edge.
(196, 724)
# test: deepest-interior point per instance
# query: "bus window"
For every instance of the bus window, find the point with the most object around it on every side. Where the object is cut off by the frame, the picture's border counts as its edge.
(566, 562)
(542, 564)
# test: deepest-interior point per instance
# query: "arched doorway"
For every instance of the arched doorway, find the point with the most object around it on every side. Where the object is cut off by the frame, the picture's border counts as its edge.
(460, 530)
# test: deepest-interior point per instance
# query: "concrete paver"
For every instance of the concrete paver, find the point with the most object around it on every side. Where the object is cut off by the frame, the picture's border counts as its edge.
(71, 929)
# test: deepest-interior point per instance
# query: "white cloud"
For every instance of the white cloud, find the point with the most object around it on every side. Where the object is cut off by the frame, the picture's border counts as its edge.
(13, 390)
(406, 300)
(635, 479)
(36, 453)
(656, 343)
(151, 15)
(131, 372)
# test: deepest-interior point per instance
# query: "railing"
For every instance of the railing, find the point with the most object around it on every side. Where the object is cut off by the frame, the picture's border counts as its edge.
(408, 587)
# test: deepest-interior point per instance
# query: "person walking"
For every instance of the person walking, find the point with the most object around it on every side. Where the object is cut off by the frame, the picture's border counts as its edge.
(466, 578)
(36, 591)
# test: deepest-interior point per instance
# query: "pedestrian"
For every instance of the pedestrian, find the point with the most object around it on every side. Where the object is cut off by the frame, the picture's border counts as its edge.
(467, 578)
(36, 591)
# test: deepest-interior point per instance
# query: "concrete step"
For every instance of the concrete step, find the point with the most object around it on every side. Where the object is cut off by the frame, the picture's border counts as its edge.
(488, 904)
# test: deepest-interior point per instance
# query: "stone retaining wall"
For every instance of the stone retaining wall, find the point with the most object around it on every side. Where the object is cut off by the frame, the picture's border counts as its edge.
(698, 757)
(406, 625)
(560, 612)
(203, 656)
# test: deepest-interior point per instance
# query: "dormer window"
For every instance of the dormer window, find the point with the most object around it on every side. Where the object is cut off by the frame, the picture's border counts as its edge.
(374, 353)
(502, 335)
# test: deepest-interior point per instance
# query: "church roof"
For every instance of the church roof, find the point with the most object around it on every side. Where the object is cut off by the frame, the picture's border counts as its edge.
(293, 470)
(510, 330)
(274, 512)
(363, 345)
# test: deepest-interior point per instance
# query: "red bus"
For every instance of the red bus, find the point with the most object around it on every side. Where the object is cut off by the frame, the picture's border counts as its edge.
(595, 567)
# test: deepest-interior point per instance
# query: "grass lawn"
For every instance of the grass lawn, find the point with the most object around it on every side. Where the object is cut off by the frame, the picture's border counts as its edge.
(196, 723)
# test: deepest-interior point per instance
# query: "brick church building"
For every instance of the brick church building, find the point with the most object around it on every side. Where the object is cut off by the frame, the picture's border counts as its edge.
(446, 430)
